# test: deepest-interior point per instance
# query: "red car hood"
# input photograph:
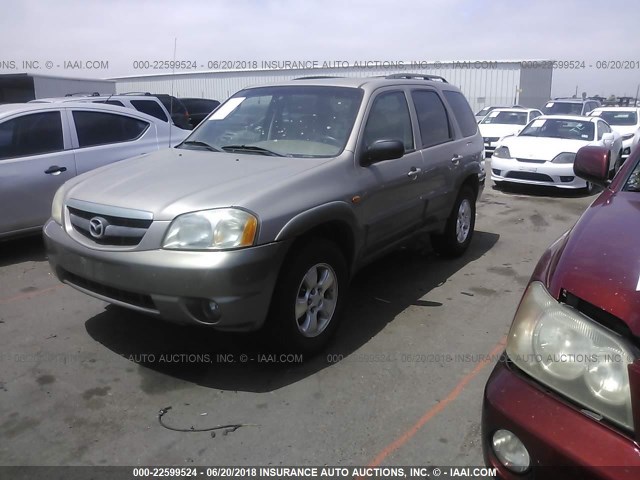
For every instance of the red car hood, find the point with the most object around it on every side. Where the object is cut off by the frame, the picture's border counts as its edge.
(600, 262)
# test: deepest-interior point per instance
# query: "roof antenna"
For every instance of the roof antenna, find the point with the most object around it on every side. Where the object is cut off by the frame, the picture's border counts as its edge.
(173, 76)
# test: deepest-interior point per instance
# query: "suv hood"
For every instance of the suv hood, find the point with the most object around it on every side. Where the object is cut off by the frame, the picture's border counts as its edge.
(175, 181)
(541, 148)
(600, 262)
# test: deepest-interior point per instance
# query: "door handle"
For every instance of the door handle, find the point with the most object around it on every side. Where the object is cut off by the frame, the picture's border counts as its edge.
(413, 173)
(456, 159)
(55, 170)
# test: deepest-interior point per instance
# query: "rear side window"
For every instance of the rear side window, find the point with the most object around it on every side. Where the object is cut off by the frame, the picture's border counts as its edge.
(97, 128)
(32, 134)
(432, 118)
(389, 120)
(462, 112)
(150, 107)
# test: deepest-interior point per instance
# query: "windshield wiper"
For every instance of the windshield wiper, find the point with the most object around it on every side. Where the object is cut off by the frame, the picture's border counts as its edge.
(198, 143)
(250, 148)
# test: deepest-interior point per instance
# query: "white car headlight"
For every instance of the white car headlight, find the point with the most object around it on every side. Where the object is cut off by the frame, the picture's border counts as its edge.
(217, 229)
(502, 152)
(570, 353)
(565, 157)
(58, 204)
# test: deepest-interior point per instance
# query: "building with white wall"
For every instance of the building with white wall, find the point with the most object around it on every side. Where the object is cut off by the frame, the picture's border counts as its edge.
(483, 82)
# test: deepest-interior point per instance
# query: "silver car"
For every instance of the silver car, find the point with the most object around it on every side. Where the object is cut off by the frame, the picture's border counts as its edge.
(261, 216)
(44, 145)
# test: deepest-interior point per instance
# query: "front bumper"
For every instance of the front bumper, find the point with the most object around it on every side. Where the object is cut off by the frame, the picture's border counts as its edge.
(563, 443)
(174, 285)
(559, 175)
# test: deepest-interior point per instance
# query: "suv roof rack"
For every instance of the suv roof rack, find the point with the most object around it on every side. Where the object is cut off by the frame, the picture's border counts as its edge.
(134, 93)
(83, 94)
(316, 77)
(418, 76)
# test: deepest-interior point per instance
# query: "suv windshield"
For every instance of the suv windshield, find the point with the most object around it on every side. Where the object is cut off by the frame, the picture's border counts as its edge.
(618, 118)
(562, 108)
(559, 128)
(507, 118)
(305, 121)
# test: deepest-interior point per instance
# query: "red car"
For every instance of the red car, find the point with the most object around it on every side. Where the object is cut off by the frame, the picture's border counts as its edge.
(564, 402)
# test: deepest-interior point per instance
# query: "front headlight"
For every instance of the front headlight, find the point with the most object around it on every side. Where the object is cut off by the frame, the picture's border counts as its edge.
(570, 353)
(57, 205)
(502, 152)
(218, 229)
(565, 157)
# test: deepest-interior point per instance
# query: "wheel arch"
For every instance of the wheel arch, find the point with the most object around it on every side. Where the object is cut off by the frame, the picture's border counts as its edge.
(333, 221)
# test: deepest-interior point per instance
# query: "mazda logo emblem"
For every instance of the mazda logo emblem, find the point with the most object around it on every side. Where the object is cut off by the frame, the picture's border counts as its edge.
(97, 227)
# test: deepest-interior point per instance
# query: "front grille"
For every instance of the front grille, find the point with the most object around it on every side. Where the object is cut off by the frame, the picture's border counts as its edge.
(124, 296)
(116, 230)
(529, 160)
(537, 177)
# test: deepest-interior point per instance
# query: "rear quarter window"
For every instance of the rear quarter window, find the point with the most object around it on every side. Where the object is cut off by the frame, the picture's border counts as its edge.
(462, 111)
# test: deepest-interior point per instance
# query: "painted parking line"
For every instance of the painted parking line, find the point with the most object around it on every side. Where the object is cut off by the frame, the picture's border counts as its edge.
(438, 407)
(27, 295)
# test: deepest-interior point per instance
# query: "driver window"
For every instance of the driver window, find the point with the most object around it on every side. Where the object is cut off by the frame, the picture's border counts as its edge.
(389, 120)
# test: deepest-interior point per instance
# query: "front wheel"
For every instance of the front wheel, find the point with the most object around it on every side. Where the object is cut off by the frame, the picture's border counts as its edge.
(308, 297)
(459, 229)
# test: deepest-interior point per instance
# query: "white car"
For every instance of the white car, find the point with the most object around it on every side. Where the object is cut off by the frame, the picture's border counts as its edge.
(503, 122)
(625, 121)
(544, 151)
(42, 145)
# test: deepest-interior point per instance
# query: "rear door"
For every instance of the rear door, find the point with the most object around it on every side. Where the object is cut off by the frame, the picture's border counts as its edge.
(392, 202)
(438, 147)
(102, 137)
(35, 159)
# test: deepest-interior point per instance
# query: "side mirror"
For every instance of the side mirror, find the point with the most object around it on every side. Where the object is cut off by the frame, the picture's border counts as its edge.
(592, 164)
(381, 150)
(608, 137)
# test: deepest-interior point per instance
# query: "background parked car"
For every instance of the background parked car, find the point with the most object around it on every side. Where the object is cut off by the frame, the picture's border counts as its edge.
(570, 106)
(485, 111)
(502, 122)
(625, 121)
(179, 112)
(199, 108)
(44, 145)
(568, 387)
(544, 151)
(159, 106)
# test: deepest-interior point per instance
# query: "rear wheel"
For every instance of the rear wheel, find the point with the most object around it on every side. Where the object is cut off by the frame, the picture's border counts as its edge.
(308, 297)
(459, 229)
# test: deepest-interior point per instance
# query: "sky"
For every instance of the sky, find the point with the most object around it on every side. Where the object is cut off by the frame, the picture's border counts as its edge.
(124, 33)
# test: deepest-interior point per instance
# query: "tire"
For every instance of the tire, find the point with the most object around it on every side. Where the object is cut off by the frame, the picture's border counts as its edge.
(457, 234)
(589, 189)
(303, 317)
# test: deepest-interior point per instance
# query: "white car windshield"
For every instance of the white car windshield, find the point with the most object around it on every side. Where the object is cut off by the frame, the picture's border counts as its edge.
(506, 118)
(562, 108)
(559, 128)
(618, 118)
(304, 121)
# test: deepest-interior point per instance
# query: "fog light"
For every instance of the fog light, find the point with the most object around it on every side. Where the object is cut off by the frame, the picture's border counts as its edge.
(511, 451)
(211, 311)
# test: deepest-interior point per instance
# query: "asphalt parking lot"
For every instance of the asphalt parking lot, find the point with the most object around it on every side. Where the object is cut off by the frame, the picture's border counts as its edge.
(81, 384)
